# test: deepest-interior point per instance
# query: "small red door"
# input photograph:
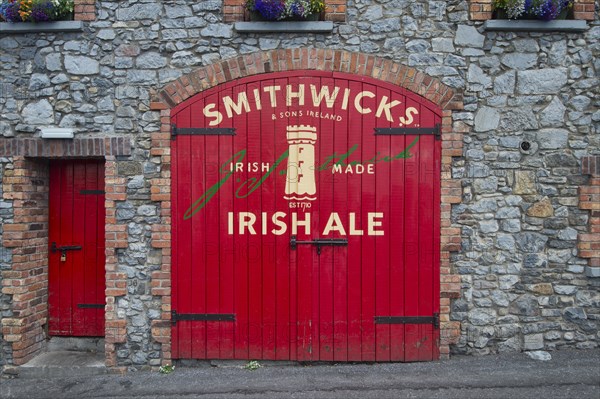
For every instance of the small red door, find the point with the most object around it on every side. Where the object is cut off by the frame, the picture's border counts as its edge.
(76, 248)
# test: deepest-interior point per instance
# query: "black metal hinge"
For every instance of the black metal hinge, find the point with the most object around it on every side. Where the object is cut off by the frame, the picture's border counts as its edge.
(91, 192)
(90, 305)
(436, 131)
(175, 317)
(206, 131)
(319, 242)
(434, 320)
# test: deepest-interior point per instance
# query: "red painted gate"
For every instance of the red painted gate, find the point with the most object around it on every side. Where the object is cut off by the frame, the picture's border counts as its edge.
(306, 221)
(76, 248)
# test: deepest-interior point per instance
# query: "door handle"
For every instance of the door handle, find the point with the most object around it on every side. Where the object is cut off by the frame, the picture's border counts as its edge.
(319, 242)
(63, 249)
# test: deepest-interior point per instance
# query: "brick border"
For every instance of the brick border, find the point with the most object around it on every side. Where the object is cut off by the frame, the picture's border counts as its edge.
(27, 186)
(53, 148)
(589, 200)
(85, 10)
(379, 68)
(482, 10)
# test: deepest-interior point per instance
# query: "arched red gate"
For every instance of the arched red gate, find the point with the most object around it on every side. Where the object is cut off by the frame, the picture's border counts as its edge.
(306, 221)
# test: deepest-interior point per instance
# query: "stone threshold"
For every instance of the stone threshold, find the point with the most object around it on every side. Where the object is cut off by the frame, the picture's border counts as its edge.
(33, 27)
(505, 25)
(289, 26)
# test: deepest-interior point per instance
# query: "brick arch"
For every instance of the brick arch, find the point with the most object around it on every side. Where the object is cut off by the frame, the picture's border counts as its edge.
(361, 64)
(373, 66)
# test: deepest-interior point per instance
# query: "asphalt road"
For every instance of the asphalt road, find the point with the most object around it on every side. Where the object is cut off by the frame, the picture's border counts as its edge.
(570, 374)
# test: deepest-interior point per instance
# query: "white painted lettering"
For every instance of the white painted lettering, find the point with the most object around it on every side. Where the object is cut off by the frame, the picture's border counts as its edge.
(372, 223)
(279, 223)
(353, 230)
(242, 101)
(334, 224)
(246, 219)
(294, 94)
(257, 100)
(209, 113)
(323, 94)
(345, 99)
(272, 96)
(296, 223)
(384, 106)
(409, 116)
(358, 99)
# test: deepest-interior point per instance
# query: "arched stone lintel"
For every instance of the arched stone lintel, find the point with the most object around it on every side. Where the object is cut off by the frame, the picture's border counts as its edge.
(373, 66)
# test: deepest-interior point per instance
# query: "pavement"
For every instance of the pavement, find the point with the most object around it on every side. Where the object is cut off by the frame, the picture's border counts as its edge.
(569, 374)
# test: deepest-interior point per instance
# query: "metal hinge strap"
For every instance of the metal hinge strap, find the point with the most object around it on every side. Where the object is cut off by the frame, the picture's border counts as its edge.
(436, 131)
(175, 317)
(204, 131)
(434, 320)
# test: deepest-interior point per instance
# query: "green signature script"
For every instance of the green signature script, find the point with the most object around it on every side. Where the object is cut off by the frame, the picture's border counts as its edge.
(250, 185)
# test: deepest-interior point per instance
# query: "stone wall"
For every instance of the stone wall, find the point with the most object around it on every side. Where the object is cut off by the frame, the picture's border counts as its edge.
(530, 115)
(531, 105)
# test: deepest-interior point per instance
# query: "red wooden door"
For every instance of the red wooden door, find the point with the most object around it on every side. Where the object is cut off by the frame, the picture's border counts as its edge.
(306, 221)
(76, 248)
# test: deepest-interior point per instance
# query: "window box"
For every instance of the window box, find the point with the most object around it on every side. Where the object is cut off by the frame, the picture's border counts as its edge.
(284, 26)
(522, 25)
(31, 27)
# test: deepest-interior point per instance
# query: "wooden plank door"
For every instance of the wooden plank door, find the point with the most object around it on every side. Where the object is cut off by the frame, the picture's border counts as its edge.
(306, 221)
(76, 248)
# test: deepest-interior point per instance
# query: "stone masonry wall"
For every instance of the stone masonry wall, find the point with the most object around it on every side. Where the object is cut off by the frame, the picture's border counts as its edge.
(530, 115)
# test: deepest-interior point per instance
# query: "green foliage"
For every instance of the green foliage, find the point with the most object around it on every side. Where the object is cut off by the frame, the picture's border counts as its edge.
(166, 369)
(252, 365)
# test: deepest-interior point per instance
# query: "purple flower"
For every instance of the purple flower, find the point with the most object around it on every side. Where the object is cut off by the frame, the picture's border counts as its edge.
(271, 10)
(41, 12)
(10, 12)
(297, 10)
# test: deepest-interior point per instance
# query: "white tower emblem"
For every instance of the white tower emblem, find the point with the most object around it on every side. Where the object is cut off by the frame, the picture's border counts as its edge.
(301, 184)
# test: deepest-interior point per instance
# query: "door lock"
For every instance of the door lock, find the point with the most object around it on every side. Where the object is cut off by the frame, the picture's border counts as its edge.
(319, 242)
(63, 250)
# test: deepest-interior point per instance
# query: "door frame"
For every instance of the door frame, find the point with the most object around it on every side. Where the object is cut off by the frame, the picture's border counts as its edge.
(25, 183)
(312, 60)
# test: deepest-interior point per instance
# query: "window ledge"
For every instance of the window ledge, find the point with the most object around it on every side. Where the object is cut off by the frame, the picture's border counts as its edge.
(564, 25)
(31, 27)
(289, 26)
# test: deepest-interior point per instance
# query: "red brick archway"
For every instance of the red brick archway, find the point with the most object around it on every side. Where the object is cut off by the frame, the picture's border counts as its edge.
(321, 60)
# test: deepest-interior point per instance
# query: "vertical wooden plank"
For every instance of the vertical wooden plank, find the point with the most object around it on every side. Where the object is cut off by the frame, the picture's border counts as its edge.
(242, 251)
(76, 258)
(211, 221)
(54, 226)
(277, 248)
(427, 179)
(89, 244)
(339, 182)
(269, 131)
(188, 239)
(225, 250)
(355, 133)
(323, 306)
(397, 236)
(256, 272)
(411, 243)
(66, 237)
(368, 148)
(382, 245)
